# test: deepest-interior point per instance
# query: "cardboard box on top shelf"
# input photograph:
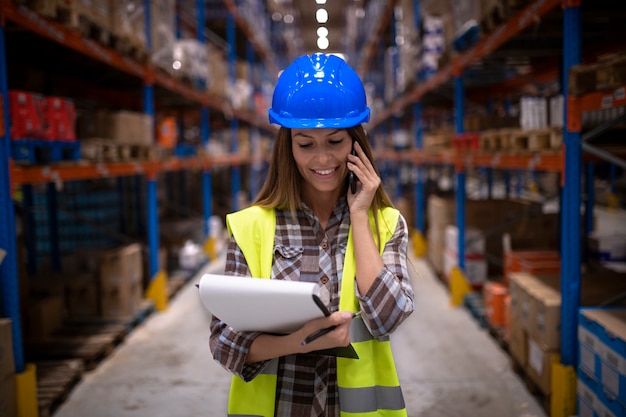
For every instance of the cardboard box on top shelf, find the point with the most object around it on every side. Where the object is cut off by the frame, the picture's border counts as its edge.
(7, 364)
(163, 34)
(218, 69)
(127, 19)
(130, 127)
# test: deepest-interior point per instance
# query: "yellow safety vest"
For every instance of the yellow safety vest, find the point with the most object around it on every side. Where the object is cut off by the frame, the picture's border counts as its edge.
(368, 386)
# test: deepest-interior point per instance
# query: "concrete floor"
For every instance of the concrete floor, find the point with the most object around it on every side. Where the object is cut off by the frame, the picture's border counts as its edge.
(447, 364)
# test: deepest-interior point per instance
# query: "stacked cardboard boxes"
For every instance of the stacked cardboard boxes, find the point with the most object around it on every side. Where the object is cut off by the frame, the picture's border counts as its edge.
(523, 220)
(475, 262)
(118, 274)
(602, 361)
(535, 324)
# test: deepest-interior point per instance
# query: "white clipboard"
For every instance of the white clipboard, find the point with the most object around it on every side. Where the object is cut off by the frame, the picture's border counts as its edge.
(265, 305)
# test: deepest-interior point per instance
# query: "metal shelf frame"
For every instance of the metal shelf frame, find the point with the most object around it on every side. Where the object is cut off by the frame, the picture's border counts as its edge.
(567, 163)
(13, 175)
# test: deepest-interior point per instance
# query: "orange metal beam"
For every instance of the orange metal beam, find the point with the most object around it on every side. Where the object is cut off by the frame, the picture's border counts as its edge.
(74, 172)
(531, 161)
(603, 100)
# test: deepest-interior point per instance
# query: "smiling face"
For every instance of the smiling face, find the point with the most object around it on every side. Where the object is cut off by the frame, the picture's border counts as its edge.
(321, 156)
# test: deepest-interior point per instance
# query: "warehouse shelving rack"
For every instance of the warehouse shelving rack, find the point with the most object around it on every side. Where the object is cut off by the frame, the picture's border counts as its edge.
(567, 163)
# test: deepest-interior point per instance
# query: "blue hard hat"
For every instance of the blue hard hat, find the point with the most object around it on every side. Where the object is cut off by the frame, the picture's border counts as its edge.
(319, 91)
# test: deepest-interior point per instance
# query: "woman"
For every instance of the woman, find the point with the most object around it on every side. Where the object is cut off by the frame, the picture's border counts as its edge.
(306, 225)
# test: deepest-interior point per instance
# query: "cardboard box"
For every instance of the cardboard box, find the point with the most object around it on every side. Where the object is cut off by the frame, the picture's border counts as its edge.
(7, 360)
(120, 302)
(518, 343)
(588, 344)
(610, 330)
(8, 396)
(531, 261)
(120, 266)
(521, 287)
(43, 316)
(131, 128)
(539, 367)
(494, 295)
(545, 317)
(524, 221)
(81, 296)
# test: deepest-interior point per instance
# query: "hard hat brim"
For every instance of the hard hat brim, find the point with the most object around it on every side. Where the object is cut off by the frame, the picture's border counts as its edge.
(342, 122)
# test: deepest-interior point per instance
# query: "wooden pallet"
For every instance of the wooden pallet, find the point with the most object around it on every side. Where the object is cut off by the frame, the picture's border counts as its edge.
(493, 15)
(90, 349)
(174, 285)
(88, 22)
(499, 335)
(611, 74)
(490, 140)
(542, 398)
(55, 381)
(115, 325)
(475, 304)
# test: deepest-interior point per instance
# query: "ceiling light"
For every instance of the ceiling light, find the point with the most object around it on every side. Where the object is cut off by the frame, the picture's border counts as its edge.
(321, 15)
(322, 43)
(320, 1)
(288, 19)
(276, 17)
(322, 32)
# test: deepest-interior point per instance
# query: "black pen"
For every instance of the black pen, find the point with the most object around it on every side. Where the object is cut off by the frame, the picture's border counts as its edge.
(322, 332)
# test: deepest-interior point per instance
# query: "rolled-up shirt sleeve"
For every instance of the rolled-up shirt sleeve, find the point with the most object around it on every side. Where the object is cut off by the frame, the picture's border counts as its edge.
(229, 347)
(389, 300)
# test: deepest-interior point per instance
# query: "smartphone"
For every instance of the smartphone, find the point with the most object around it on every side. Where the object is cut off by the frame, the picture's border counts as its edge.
(351, 176)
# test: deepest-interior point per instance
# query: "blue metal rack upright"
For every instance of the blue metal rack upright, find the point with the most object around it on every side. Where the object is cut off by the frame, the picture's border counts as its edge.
(157, 287)
(25, 374)
(459, 108)
(205, 135)
(9, 290)
(570, 208)
(234, 123)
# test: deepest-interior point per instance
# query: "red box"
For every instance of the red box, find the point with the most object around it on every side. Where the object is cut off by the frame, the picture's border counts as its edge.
(27, 112)
(531, 261)
(60, 119)
(494, 295)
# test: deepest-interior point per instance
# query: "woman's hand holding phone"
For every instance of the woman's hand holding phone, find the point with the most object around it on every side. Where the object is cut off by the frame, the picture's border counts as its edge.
(366, 175)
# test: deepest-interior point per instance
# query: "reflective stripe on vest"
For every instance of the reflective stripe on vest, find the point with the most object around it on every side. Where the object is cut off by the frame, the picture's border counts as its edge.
(366, 385)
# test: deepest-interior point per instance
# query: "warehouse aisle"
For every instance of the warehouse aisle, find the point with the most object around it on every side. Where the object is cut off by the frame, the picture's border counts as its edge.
(448, 366)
